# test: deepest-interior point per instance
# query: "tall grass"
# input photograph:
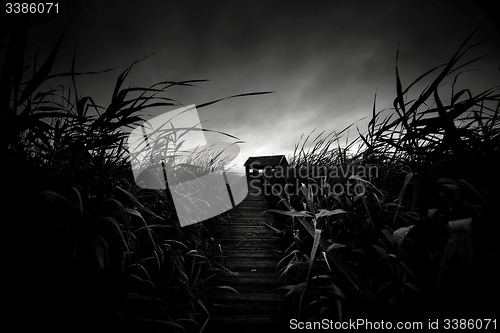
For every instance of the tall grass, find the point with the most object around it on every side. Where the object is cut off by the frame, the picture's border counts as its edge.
(87, 248)
(419, 240)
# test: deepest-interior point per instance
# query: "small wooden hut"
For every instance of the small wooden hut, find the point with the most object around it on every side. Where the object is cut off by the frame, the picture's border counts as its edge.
(257, 164)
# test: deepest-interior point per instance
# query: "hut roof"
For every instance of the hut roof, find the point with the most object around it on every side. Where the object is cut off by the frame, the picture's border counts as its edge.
(263, 161)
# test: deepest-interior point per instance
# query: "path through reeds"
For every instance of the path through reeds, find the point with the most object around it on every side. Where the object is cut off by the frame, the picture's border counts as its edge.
(250, 250)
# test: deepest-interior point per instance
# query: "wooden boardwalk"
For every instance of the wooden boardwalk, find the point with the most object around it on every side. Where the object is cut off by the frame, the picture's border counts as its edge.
(251, 251)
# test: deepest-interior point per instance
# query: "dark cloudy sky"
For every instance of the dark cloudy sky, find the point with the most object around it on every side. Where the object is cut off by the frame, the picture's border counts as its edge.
(323, 59)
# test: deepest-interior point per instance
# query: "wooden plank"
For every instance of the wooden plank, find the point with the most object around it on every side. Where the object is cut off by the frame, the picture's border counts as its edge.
(253, 202)
(255, 241)
(250, 239)
(221, 311)
(249, 275)
(251, 243)
(249, 297)
(238, 226)
(238, 209)
(245, 262)
(241, 318)
(242, 224)
(245, 253)
(238, 244)
(267, 283)
(272, 248)
(256, 220)
(242, 228)
(230, 308)
(250, 223)
(239, 323)
(244, 286)
(250, 213)
(252, 231)
(257, 202)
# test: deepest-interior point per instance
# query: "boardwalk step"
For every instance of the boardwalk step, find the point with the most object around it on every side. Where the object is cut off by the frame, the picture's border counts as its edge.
(240, 282)
(270, 299)
(245, 253)
(248, 232)
(243, 286)
(242, 318)
(246, 324)
(252, 244)
(248, 245)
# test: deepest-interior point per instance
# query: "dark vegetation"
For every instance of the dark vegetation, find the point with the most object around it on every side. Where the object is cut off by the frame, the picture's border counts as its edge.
(418, 238)
(86, 248)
